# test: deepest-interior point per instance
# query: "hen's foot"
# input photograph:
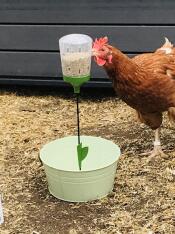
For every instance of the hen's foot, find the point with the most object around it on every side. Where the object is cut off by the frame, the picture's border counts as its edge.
(157, 151)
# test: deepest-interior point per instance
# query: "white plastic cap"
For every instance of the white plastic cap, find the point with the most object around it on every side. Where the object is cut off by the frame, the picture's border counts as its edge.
(75, 43)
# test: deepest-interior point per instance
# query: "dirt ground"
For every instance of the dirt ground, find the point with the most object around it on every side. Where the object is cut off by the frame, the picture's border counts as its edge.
(143, 198)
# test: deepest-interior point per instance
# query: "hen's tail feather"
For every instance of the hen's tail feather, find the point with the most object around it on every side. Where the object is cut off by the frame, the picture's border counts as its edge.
(167, 47)
(167, 43)
(171, 114)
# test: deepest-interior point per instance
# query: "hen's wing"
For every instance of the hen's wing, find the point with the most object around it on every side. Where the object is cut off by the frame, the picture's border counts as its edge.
(162, 61)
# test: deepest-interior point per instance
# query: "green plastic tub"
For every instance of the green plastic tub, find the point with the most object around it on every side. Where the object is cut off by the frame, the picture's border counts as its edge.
(66, 181)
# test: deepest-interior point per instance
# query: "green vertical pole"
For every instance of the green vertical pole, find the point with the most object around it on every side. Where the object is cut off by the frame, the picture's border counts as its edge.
(81, 151)
(78, 117)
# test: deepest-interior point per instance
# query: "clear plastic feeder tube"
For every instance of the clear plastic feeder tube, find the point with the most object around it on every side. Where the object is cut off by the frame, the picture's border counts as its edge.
(75, 51)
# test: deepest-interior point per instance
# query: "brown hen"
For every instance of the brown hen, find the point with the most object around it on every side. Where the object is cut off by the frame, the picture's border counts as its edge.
(145, 82)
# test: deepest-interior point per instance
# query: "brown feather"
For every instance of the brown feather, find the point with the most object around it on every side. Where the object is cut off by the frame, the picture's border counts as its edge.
(153, 120)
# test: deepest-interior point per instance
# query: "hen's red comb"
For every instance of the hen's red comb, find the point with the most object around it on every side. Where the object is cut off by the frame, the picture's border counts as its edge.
(99, 43)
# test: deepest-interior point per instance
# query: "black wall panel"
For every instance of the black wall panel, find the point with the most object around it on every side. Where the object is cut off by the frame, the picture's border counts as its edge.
(30, 30)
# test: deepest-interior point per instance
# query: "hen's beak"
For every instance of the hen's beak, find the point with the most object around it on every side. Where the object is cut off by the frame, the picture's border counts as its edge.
(94, 52)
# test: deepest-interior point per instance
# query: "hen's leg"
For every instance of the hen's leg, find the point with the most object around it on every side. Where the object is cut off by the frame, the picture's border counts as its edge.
(157, 150)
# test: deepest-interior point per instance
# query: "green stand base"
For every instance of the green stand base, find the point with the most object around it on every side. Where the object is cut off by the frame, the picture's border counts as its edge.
(76, 82)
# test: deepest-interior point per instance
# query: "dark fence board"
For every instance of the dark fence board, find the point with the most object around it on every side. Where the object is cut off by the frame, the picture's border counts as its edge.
(30, 64)
(87, 12)
(45, 38)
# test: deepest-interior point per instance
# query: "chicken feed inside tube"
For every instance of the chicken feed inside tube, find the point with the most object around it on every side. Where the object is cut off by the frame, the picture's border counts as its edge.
(76, 50)
(76, 64)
